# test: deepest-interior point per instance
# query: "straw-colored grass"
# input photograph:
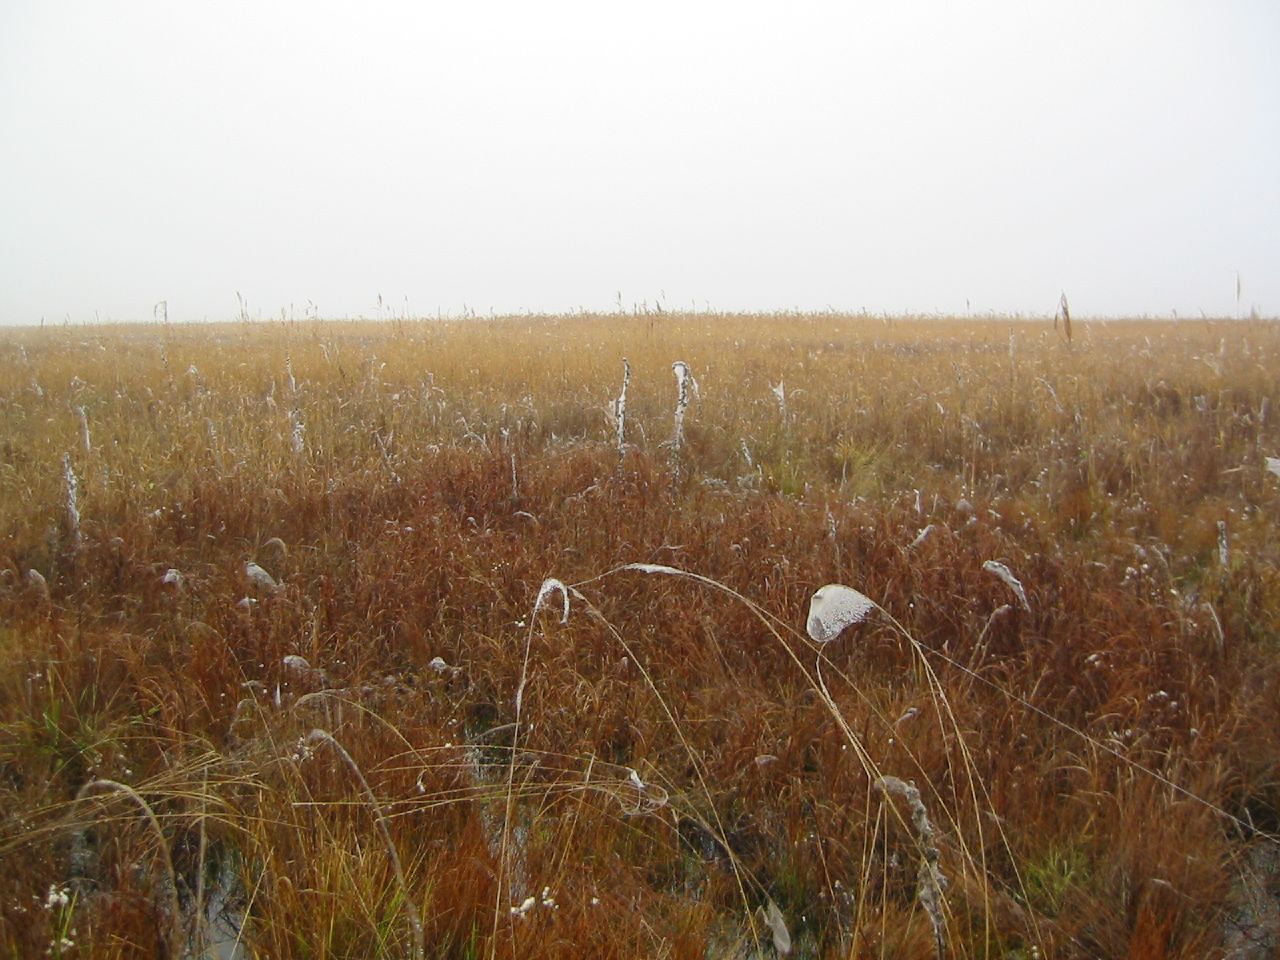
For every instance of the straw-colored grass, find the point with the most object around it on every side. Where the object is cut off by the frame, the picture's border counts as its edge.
(1070, 671)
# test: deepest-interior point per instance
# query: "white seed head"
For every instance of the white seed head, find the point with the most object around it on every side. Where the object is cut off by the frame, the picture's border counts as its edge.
(685, 381)
(84, 429)
(259, 578)
(923, 535)
(1012, 582)
(549, 586)
(73, 508)
(297, 433)
(35, 579)
(301, 668)
(777, 925)
(653, 568)
(835, 607)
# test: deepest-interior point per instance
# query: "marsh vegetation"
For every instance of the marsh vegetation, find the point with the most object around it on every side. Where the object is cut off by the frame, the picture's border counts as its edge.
(279, 675)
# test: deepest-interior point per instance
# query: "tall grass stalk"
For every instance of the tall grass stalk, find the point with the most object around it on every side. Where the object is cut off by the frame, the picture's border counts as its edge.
(379, 817)
(72, 488)
(619, 410)
(176, 934)
(685, 387)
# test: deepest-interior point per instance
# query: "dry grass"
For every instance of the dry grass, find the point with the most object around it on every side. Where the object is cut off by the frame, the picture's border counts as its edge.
(685, 770)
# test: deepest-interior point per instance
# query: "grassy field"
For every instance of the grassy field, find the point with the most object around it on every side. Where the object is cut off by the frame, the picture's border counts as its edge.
(403, 746)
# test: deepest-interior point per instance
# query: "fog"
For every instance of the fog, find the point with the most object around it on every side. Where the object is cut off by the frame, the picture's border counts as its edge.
(511, 157)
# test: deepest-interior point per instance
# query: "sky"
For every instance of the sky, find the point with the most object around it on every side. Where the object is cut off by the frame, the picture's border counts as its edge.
(900, 156)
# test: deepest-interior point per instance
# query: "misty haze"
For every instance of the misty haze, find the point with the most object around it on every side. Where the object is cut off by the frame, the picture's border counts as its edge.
(705, 481)
(915, 157)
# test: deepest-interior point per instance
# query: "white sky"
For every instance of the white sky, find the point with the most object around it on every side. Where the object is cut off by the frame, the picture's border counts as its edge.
(545, 156)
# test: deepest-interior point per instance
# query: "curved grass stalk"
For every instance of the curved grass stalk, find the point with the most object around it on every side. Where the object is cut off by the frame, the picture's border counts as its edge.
(720, 833)
(771, 624)
(774, 625)
(1035, 921)
(1191, 795)
(176, 933)
(922, 650)
(415, 921)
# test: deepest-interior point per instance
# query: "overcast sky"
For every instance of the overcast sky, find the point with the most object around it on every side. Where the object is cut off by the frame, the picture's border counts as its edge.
(895, 155)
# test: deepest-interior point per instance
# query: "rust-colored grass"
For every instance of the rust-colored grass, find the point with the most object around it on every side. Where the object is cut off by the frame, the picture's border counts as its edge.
(681, 762)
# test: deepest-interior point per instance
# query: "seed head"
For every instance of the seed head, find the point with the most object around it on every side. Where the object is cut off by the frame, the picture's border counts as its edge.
(835, 607)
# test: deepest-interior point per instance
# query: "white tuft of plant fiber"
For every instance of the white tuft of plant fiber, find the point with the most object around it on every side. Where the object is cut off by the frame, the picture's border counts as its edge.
(684, 384)
(297, 433)
(618, 409)
(653, 568)
(84, 429)
(931, 882)
(35, 579)
(780, 394)
(777, 924)
(1013, 583)
(922, 536)
(259, 578)
(73, 508)
(549, 586)
(685, 381)
(835, 607)
(301, 667)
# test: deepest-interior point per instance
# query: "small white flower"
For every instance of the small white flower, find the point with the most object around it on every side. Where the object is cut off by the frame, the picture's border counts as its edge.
(302, 750)
(57, 897)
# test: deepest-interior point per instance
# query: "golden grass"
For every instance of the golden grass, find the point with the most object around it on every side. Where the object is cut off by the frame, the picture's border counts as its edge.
(683, 770)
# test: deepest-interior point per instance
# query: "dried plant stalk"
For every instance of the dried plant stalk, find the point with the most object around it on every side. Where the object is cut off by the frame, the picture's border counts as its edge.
(415, 922)
(930, 880)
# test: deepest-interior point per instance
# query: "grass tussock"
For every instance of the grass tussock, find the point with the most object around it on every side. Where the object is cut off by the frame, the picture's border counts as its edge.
(285, 669)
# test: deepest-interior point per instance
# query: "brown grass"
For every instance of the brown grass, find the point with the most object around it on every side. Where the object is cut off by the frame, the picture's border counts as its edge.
(449, 468)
